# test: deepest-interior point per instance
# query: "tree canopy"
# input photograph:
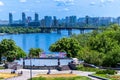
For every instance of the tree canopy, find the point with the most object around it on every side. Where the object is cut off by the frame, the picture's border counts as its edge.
(100, 47)
(69, 45)
(35, 52)
(9, 49)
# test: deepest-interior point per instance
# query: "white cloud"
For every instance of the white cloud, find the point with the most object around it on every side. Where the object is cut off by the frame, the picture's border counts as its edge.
(1, 3)
(66, 9)
(92, 3)
(105, 1)
(23, 0)
(110, 0)
(64, 2)
(37, 1)
(13, 12)
(102, 1)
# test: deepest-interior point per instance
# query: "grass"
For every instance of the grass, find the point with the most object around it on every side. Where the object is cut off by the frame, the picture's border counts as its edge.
(1, 67)
(7, 75)
(102, 75)
(110, 77)
(82, 68)
(59, 77)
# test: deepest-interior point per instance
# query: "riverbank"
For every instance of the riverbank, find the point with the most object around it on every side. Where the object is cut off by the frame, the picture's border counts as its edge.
(19, 30)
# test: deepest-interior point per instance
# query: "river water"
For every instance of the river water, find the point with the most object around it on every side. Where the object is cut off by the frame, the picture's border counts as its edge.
(37, 40)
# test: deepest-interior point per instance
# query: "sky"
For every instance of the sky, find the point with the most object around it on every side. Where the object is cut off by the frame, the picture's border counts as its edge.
(60, 8)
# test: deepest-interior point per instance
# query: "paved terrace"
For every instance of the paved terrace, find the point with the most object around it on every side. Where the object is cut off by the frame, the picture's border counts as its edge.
(26, 73)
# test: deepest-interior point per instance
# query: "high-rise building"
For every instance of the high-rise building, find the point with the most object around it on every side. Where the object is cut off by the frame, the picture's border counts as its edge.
(73, 21)
(23, 18)
(10, 18)
(29, 19)
(67, 20)
(87, 20)
(48, 21)
(118, 20)
(36, 17)
(55, 22)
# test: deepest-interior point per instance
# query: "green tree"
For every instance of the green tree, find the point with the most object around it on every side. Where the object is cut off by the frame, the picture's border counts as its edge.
(90, 56)
(9, 49)
(81, 38)
(113, 58)
(35, 52)
(102, 43)
(69, 45)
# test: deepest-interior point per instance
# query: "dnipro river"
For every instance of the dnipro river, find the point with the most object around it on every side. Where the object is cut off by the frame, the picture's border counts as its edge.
(37, 40)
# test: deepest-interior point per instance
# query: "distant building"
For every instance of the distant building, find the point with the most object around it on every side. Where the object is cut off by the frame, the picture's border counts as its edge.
(4, 22)
(42, 23)
(118, 20)
(105, 21)
(29, 19)
(36, 17)
(23, 18)
(10, 18)
(48, 21)
(73, 21)
(55, 21)
(67, 20)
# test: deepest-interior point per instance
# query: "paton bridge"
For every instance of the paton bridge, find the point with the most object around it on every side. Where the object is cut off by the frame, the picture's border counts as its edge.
(69, 29)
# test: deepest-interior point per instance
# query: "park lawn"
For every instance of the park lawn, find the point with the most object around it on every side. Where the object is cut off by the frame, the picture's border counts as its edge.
(102, 75)
(1, 67)
(7, 75)
(88, 69)
(60, 77)
(110, 77)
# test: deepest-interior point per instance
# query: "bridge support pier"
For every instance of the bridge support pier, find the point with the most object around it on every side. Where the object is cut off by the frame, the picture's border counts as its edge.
(69, 31)
(58, 31)
(81, 31)
(42, 31)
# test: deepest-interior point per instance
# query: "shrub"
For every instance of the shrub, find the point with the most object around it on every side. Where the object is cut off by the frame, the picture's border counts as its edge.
(108, 71)
(82, 68)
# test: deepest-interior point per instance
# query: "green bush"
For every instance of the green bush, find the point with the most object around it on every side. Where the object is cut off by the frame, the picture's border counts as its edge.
(108, 71)
(82, 68)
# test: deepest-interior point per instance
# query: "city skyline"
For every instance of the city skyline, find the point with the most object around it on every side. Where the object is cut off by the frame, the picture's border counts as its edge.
(59, 8)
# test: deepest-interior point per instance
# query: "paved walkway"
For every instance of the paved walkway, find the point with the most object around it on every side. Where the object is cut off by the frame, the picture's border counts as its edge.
(26, 73)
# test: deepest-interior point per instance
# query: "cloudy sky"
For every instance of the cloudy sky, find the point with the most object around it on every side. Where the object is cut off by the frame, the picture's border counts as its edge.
(59, 8)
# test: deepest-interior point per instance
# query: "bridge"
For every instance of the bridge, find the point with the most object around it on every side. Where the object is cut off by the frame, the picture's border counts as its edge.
(69, 29)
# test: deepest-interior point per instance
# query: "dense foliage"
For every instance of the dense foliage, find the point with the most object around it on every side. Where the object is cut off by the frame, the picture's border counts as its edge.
(100, 47)
(9, 49)
(88, 69)
(35, 52)
(16, 30)
(108, 71)
(69, 45)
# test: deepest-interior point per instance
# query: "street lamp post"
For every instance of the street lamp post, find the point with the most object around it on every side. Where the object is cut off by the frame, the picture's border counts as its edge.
(30, 68)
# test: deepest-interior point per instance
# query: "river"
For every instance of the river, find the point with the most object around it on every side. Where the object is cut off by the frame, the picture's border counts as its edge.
(37, 40)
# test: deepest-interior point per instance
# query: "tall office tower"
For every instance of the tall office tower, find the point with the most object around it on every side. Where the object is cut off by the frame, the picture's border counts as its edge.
(36, 17)
(55, 22)
(48, 21)
(23, 18)
(67, 20)
(87, 20)
(29, 19)
(10, 18)
(73, 21)
(118, 20)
